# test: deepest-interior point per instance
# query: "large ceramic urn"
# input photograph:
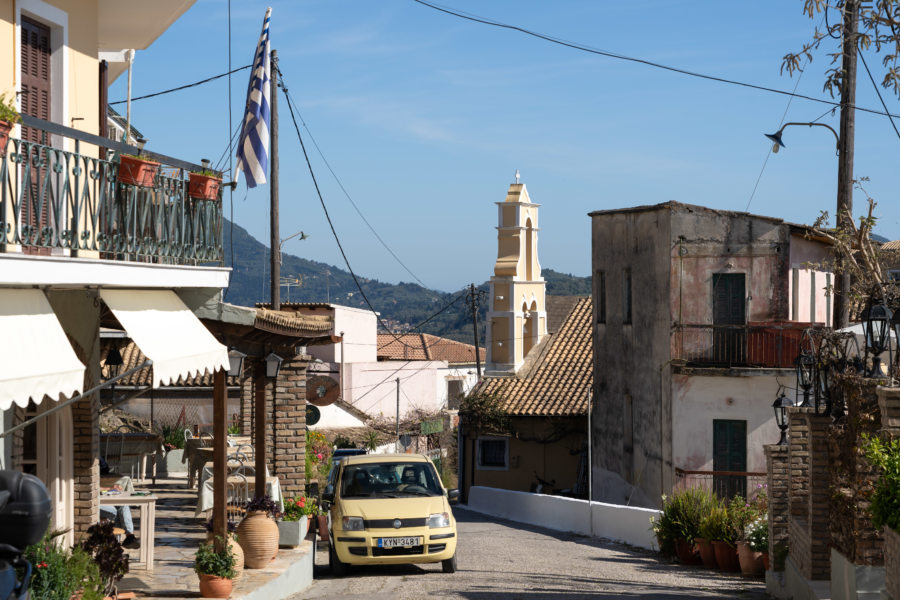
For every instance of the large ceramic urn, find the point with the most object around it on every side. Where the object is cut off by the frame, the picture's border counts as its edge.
(258, 537)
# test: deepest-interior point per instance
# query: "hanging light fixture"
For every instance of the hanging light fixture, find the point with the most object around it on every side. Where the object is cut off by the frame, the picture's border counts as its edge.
(273, 365)
(235, 363)
(780, 406)
(806, 367)
(876, 322)
(113, 362)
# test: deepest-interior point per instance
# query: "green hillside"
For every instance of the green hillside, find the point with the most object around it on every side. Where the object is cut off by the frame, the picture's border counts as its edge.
(402, 306)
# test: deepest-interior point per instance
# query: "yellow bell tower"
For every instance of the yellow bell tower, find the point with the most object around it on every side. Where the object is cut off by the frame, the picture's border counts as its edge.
(517, 317)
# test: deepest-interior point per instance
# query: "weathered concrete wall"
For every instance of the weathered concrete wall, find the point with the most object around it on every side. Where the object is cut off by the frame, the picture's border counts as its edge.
(632, 417)
(698, 401)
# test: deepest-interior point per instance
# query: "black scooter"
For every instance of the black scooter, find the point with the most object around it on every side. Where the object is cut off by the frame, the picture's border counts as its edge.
(25, 510)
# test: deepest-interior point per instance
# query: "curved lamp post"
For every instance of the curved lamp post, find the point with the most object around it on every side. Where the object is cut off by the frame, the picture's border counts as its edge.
(778, 143)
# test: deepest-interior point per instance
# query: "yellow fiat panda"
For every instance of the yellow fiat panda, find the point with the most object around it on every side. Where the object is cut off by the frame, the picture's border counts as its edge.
(387, 509)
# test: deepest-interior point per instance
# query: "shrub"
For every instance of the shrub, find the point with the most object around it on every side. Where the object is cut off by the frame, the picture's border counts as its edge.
(209, 562)
(741, 513)
(58, 573)
(8, 112)
(681, 516)
(718, 526)
(757, 534)
(297, 507)
(263, 504)
(885, 505)
(318, 456)
(107, 552)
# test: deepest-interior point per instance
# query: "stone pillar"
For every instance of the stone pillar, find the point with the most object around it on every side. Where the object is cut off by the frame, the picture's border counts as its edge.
(819, 492)
(289, 426)
(779, 489)
(889, 405)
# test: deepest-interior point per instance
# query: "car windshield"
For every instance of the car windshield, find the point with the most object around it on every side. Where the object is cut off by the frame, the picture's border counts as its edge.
(389, 480)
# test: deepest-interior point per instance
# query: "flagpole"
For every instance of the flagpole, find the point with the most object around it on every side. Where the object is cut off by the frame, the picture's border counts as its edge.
(273, 186)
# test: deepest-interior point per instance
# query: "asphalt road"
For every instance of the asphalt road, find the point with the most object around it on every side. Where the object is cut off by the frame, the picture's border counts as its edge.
(501, 559)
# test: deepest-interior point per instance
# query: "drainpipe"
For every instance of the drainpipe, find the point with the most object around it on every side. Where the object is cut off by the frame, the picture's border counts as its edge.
(127, 137)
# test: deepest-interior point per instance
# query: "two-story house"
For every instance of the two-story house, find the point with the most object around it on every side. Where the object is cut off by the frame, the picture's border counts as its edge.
(698, 319)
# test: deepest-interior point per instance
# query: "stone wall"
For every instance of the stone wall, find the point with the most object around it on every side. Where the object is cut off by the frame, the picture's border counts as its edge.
(86, 467)
(892, 563)
(779, 488)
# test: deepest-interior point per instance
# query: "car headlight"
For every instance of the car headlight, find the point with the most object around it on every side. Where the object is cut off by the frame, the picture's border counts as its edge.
(439, 520)
(352, 523)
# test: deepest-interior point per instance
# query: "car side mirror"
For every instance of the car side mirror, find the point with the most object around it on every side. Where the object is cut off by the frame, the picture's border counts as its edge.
(453, 496)
(328, 494)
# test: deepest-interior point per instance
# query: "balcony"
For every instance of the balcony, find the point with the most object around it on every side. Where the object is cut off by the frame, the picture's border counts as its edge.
(70, 202)
(761, 345)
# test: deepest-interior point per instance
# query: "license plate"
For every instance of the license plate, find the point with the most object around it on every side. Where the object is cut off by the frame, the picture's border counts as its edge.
(399, 542)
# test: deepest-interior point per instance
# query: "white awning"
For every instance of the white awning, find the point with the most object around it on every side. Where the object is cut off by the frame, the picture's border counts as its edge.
(167, 332)
(36, 358)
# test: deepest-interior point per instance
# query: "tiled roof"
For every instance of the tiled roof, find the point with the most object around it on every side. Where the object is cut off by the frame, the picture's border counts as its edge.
(892, 245)
(558, 309)
(133, 357)
(558, 381)
(423, 346)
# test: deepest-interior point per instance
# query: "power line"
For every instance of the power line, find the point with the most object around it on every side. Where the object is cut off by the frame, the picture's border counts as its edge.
(184, 87)
(585, 48)
(877, 91)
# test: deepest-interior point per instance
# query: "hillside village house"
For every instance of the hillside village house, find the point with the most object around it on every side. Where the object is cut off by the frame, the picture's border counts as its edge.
(698, 318)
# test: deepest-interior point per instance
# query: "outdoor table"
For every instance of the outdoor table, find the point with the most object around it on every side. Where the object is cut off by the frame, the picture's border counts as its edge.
(125, 483)
(207, 470)
(199, 451)
(146, 504)
(205, 493)
(119, 448)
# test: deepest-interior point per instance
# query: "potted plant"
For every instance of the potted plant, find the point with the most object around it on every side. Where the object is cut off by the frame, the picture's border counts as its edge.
(258, 533)
(112, 561)
(236, 549)
(204, 184)
(9, 116)
(717, 527)
(322, 522)
(885, 505)
(172, 460)
(293, 523)
(753, 550)
(134, 170)
(215, 570)
(60, 574)
(679, 523)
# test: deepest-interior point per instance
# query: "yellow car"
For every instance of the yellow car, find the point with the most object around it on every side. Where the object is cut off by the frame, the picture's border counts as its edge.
(388, 509)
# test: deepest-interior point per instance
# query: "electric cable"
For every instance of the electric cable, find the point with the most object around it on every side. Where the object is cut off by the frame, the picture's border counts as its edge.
(649, 63)
(189, 85)
(877, 91)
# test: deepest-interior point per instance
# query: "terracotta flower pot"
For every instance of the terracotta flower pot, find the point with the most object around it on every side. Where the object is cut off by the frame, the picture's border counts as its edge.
(707, 554)
(5, 127)
(137, 171)
(687, 552)
(258, 537)
(751, 561)
(726, 556)
(203, 186)
(323, 527)
(214, 587)
(765, 559)
(236, 551)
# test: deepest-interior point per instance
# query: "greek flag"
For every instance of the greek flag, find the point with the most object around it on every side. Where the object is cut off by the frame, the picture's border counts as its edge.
(253, 145)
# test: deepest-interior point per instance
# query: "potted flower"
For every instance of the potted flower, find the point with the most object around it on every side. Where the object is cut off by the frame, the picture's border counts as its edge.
(59, 574)
(753, 550)
(204, 184)
(236, 549)
(101, 545)
(322, 522)
(9, 116)
(134, 170)
(718, 528)
(215, 570)
(293, 523)
(258, 533)
(679, 524)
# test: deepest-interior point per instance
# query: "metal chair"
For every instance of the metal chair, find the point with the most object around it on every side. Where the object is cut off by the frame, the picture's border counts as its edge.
(237, 490)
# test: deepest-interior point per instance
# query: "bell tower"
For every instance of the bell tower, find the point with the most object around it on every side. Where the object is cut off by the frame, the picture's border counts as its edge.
(517, 317)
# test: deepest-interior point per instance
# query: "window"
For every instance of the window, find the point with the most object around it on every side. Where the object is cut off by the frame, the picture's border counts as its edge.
(493, 453)
(600, 282)
(729, 455)
(626, 311)
(454, 393)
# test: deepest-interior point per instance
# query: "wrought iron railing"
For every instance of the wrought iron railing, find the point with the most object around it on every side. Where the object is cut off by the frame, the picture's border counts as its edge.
(53, 199)
(772, 345)
(724, 484)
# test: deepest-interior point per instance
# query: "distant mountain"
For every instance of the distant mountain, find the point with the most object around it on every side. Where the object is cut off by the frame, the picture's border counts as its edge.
(402, 306)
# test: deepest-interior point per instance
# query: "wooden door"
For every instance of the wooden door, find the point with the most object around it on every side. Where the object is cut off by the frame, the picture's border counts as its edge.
(729, 314)
(729, 454)
(36, 102)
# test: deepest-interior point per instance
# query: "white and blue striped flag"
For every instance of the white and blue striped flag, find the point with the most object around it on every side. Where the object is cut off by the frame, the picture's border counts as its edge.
(253, 145)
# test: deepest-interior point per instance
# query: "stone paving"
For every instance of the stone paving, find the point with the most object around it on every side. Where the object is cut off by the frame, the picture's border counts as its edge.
(178, 534)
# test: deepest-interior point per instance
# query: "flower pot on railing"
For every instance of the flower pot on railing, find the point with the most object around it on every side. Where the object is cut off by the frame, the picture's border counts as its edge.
(203, 186)
(137, 171)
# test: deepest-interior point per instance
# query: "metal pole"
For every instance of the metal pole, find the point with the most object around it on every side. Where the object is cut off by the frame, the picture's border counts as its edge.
(398, 414)
(127, 136)
(473, 297)
(845, 152)
(104, 104)
(273, 186)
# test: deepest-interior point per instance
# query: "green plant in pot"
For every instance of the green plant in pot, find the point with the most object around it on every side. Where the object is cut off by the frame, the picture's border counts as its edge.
(102, 545)
(679, 524)
(9, 116)
(718, 528)
(58, 574)
(215, 568)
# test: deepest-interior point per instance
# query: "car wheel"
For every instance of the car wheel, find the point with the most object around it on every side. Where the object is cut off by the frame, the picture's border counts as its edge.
(449, 565)
(338, 568)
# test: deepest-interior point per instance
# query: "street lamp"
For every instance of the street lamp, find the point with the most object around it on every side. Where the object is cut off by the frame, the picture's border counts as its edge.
(778, 143)
(302, 235)
(235, 363)
(113, 366)
(780, 406)
(273, 365)
(806, 366)
(876, 322)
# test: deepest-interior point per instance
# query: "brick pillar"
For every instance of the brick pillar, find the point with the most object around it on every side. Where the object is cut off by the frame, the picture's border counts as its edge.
(779, 488)
(819, 491)
(289, 426)
(889, 404)
(86, 467)
(798, 493)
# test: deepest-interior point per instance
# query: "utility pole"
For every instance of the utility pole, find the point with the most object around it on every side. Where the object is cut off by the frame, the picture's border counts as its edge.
(275, 242)
(841, 316)
(398, 413)
(472, 298)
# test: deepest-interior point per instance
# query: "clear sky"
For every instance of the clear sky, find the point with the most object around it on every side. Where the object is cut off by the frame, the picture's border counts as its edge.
(425, 118)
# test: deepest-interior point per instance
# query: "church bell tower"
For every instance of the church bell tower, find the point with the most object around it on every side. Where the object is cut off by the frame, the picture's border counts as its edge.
(517, 317)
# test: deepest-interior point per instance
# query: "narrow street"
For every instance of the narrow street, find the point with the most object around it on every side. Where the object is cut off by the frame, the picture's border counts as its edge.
(501, 559)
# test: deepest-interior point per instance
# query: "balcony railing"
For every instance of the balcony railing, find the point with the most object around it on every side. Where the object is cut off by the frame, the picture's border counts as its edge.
(772, 345)
(56, 201)
(724, 484)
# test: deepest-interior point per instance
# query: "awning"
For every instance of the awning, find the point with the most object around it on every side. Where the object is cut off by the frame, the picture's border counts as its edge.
(167, 332)
(36, 358)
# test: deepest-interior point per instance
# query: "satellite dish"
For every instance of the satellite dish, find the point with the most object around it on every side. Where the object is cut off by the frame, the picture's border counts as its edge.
(322, 390)
(313, 414)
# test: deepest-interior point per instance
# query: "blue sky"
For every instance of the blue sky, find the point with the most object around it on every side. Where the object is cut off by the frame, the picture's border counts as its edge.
(426, 117)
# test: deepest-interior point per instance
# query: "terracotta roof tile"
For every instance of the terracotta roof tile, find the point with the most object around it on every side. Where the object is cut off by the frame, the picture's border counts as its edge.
(558, 382)
(423, 346)
(133, 357)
